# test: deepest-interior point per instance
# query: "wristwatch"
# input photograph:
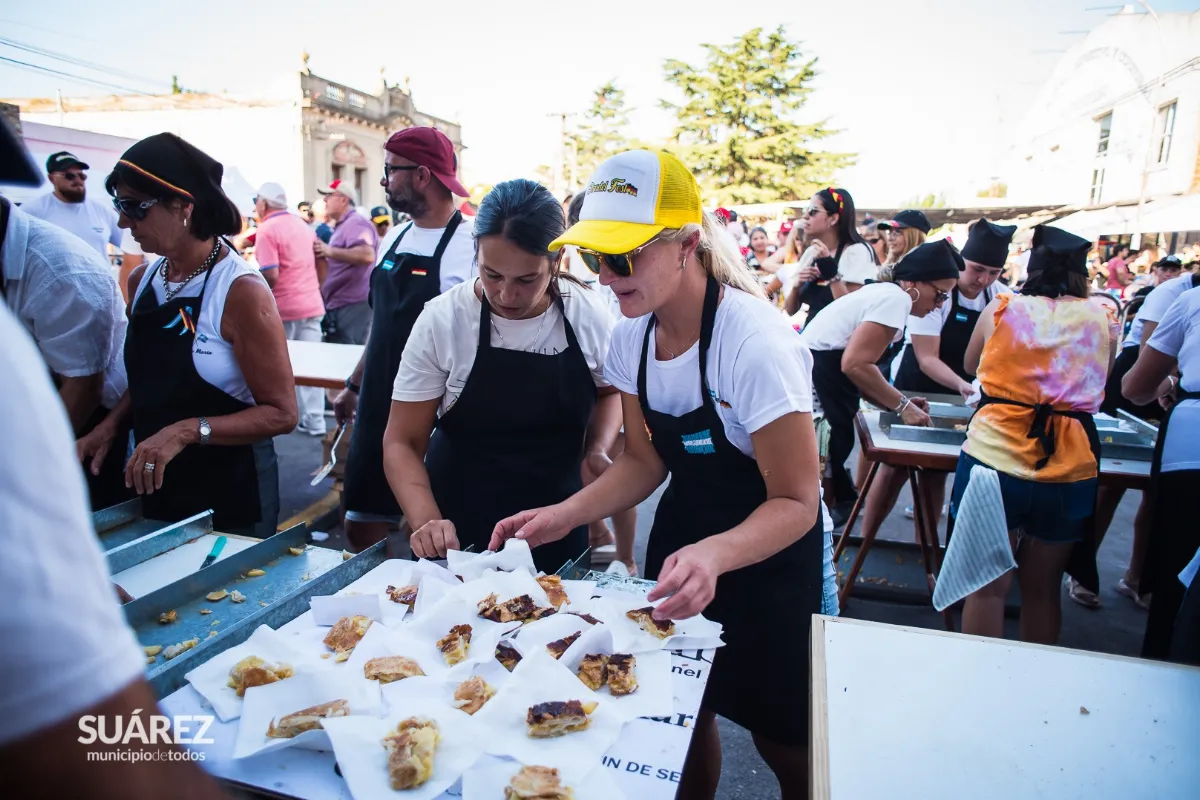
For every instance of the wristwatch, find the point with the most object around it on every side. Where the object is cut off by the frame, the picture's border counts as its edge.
(352, 386)
(205, 430)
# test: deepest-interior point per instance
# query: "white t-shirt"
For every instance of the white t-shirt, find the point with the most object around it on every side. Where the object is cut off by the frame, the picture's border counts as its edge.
(68, 645)
(458, 262)
(211, 353)
(1155, 306)
(757, 368)
(884, 303)
(441, 349)
(857, 264)
(93, 222)
(1178, 336)
(932, 323)
(66, 297)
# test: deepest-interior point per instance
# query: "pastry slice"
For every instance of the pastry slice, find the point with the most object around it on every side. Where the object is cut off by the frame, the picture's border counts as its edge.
(540, 613)
(507, 655)
(593, 670)
(307, 719)
(347, 633)
(253, 671)
(557, 718)
(410, 752)
(554, 589)
(652, 626)
(407, 595)
(537, 783)
(455, 644)
(388, 669)
(472, 693)
(588, 618)
(621, 679)
(559, 646)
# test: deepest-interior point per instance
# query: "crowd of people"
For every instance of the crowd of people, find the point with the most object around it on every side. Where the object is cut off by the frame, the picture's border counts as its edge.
(500, 396)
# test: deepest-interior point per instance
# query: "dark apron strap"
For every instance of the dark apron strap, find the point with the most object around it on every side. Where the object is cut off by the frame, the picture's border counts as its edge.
(1042, 429)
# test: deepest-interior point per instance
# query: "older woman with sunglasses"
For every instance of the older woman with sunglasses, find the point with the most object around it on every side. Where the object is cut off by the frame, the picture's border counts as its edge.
(210, 381)
(849, 339)
(716, 393)
(500, 399)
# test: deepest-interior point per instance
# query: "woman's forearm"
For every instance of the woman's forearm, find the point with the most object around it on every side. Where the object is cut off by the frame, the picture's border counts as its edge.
(118, 414)
(409, 481)
(938, 370)
(873, 385)
(771, 527)
(606, 423)
(243, 427)
(626, 483)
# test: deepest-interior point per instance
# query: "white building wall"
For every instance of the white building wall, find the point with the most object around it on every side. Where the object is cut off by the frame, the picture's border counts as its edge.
(1114, 68)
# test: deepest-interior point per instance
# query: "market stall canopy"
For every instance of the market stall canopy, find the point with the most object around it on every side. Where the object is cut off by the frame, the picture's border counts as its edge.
(1165, 215)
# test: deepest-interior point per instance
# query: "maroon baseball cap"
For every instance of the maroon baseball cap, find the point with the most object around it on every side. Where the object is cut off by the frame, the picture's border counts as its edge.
(429, 148)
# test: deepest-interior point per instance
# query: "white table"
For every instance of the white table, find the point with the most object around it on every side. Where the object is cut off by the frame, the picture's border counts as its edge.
(992, 718)
(323, 364)
(646, 762)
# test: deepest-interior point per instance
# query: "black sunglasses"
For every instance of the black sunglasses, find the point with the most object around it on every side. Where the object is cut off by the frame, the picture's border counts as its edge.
(134, 209)
(621, 264)
(388, 169)
(74, 176)
(939, 296)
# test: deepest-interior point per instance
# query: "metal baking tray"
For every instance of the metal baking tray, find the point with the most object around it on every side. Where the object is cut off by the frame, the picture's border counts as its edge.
(271, 599)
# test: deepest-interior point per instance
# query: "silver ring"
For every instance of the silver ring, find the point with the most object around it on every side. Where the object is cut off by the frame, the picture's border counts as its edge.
(149, 467)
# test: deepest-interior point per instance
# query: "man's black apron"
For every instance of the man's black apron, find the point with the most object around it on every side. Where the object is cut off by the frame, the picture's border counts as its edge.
(952, 351)
(401, 285)
(759, 679)
(240, 483)
(513, 441)
(1082, 564)
(1171, 545)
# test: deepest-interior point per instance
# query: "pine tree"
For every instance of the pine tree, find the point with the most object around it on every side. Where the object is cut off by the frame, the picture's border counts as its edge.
(738, 128)
(600, 134)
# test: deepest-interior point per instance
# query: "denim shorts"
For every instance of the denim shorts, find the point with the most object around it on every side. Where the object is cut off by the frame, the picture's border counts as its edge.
(1052, 512)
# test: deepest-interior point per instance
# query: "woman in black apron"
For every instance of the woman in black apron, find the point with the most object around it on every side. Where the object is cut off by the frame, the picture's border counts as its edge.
(844, 262)
(848, 345)
(419, 178)
(1174, 534)
(1041, 357)
(513, 435)
(737, 534)
(198, 446)
(934, 364)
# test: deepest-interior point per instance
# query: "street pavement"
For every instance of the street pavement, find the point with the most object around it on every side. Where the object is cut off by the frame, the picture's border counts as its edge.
(1115, 628)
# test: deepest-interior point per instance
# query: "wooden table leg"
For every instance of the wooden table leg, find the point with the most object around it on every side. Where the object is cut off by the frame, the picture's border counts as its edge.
(926, 518)
(920, 511)
(858, 504)
(863, 547)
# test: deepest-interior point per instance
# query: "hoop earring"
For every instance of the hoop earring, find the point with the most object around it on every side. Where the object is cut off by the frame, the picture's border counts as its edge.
(185, 222)
(916, 295)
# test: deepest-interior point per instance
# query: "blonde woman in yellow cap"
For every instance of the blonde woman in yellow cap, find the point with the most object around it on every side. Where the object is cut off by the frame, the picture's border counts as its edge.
(716, 392)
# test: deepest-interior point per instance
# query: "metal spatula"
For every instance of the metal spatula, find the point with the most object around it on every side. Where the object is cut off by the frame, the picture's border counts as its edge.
(324, 471)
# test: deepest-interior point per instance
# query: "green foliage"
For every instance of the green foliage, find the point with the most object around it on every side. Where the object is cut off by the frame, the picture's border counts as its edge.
(738, 128)
(925, 201)
(601, 132)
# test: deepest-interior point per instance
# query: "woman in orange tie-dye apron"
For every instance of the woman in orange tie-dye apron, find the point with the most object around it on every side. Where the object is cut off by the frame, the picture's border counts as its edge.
(1042, 358)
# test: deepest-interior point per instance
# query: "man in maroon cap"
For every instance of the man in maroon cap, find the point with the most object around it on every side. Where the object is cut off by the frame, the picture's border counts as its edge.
(419, 261)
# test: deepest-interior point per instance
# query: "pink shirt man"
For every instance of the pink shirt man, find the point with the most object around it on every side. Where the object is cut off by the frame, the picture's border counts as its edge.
(284, 242)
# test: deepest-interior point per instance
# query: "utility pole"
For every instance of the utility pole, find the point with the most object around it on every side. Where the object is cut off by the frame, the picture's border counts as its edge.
(564, 170)
(1155, 95)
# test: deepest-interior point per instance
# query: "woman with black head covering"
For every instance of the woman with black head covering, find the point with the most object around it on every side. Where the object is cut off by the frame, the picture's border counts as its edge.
(492, 410)
(1042, 358)
(210, 381)
(850, 337)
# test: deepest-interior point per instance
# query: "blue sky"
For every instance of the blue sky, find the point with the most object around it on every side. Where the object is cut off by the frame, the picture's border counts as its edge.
(925, 91)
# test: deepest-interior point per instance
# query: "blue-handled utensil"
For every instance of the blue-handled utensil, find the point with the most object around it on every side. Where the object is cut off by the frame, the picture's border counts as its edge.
(218, 546)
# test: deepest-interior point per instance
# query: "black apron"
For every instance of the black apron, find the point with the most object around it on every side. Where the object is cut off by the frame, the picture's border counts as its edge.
(952, 350)
(817, 294)
(1170, 548)
(400, 288)
(240, 483)
(840, 400)
(514, 440)
(1082, 564)
(759, 679)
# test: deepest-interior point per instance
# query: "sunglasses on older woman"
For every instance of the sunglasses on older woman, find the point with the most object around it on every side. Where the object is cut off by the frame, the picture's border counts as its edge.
(133, 209)
(621, 264)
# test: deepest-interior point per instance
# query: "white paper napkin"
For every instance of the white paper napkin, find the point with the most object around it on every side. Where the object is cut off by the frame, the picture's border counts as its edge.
(382, 641)
(514, 556)
(210, 679)
(655, 695)
(505, 585)
(397, 694)
(536, 635)
(265, 704)
(363, 760)
(578, 592)
(490, 775)
(538, 679)
(628, 637)
(310, 642)
(328, 609)
(451, 611)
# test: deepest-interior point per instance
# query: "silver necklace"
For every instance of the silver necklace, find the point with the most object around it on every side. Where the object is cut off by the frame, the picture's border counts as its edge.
(686, 345)
(536, 336)
(168, 292)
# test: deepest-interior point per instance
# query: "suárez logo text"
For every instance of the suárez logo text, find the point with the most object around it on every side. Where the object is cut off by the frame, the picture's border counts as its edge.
(182, 729)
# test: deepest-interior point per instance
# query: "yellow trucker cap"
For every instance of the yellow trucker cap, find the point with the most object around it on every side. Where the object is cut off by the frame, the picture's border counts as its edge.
(630, 199)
